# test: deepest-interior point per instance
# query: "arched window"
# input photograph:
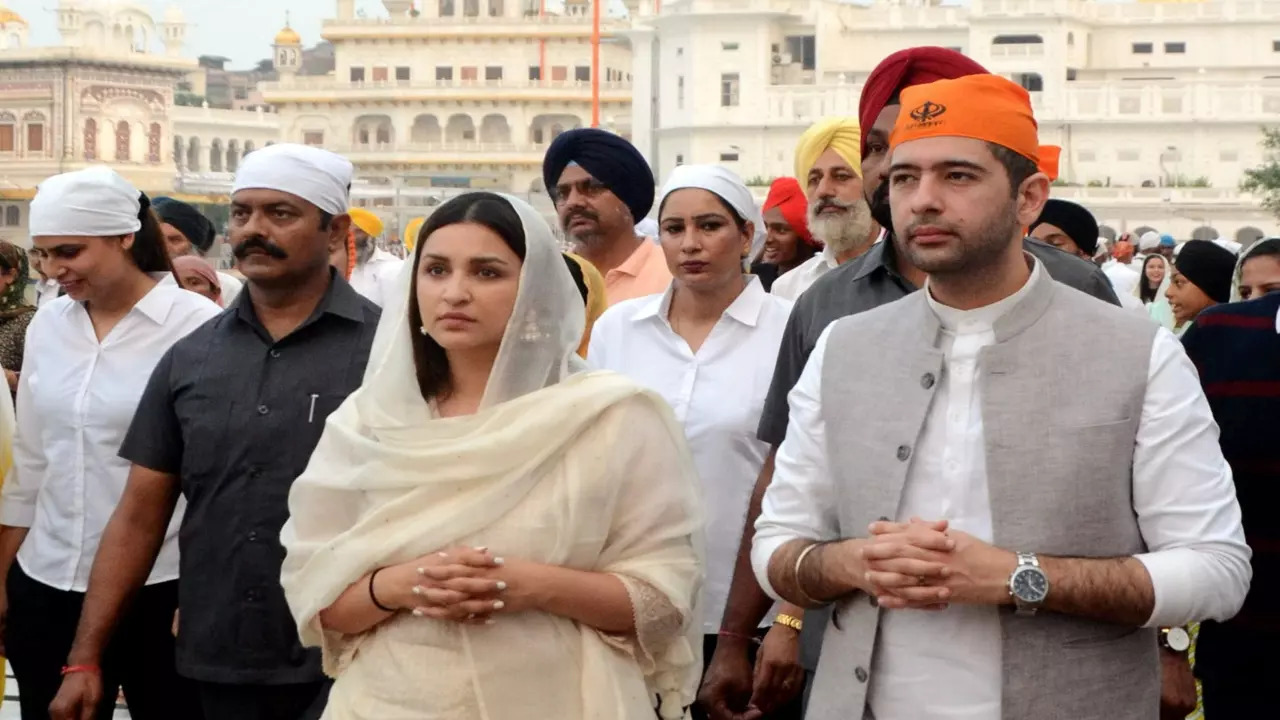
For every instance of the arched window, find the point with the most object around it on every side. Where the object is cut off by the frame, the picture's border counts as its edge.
(122, 141)
(90, 139)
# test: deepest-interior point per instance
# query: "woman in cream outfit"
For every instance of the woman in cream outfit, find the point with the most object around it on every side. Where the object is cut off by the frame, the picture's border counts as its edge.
(487, 531)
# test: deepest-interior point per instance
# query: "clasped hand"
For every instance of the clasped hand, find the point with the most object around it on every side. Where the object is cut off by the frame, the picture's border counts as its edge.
(467, 585)
(927, 565)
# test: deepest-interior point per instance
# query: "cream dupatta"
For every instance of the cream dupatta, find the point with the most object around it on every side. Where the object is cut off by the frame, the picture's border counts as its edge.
(389, 482)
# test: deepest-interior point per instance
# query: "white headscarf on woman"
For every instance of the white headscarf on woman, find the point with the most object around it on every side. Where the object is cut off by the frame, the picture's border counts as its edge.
(1159, 308)
(389, 482)
(724, 184)
(1244, 257)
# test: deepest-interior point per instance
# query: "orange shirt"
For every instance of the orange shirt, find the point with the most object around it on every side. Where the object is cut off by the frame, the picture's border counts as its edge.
(644, 273)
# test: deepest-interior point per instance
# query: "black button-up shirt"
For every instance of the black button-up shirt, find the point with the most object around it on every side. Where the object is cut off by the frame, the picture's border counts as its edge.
(236, 415)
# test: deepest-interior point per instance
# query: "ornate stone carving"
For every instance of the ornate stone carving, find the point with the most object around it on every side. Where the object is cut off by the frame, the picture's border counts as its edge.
(90, 139)
(153, 144)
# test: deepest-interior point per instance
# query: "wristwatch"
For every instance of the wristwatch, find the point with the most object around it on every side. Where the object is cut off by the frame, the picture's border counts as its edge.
(1176, 639)
(1028, 585)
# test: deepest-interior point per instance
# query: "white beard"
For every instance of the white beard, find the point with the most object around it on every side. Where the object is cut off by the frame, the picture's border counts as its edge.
(842, 232)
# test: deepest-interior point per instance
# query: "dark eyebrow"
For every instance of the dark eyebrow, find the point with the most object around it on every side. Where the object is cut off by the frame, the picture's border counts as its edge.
(943, 165)
(480, 260)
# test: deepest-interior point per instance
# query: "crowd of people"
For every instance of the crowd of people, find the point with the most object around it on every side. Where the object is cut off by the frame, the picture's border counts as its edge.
(906, 440)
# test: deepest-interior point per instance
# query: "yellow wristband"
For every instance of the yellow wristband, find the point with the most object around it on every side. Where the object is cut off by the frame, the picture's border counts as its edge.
(792, 622)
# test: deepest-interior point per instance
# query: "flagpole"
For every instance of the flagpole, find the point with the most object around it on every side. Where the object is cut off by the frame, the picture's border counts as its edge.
(595, 63)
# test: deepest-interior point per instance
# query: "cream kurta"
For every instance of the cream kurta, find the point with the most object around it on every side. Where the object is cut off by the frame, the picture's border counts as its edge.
(618, 497)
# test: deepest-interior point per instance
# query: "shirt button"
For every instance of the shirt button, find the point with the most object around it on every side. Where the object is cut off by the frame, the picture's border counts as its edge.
(927, 380)
(263, 410)
(275, 353)
(253, 536)
(861, 674)
(904, 452)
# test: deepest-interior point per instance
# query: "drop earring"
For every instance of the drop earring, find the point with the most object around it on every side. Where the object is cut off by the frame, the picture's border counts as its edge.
(423, 329)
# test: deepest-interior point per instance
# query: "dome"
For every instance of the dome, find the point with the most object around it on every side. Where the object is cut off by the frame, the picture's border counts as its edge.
(9, 16)
(173, 14)
(288, 36)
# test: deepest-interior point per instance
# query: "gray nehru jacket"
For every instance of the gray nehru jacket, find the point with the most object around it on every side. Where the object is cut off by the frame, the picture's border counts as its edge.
(857, 286)
(1077, 439)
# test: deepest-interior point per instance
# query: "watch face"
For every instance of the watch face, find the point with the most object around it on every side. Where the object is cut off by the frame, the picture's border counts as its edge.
(1177, 639)
(1029, 585)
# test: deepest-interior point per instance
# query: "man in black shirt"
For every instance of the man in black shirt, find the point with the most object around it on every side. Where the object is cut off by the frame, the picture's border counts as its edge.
(229, 420)
(878, 277)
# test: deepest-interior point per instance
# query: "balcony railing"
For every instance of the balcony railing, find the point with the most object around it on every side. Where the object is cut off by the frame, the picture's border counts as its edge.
(464, 20)
(1018, 50)
(334, 85)
(1079, 102)
(447, 147)
(708, 7)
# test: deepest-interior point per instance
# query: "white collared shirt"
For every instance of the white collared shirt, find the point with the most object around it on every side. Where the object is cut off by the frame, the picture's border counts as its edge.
(718, 396)
(947, 664)
(46, 292)
(373, 279)
(76, 399)
(790, 284)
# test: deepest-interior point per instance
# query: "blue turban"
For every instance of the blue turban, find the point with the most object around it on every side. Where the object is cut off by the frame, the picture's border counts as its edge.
(609, 158)
(188, 220)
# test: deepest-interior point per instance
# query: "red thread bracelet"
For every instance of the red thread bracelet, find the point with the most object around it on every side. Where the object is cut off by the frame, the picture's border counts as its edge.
(739, 636)
(72, 669)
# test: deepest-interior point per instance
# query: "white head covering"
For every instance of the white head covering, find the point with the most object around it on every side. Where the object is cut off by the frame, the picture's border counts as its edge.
(1229, 245)
(389, 481)
(647, 228)
(318, 176)
(94, 202)
(714, 179)
(1244, 257)
(1149, 241)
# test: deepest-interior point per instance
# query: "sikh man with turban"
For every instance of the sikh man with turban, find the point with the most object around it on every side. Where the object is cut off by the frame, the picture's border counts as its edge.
(188, 232)
(788, 242)
(375, 268)
(829, 166)
(879, 277)
(977, 463)
(602, 186)
(229, 419)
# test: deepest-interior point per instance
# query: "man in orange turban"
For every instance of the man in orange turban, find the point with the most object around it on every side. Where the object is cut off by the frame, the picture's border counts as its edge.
(958, 413)
(788, 243)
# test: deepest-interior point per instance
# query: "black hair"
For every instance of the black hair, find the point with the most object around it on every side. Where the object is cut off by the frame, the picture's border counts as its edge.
(575, 271)
(482, 208)
(325, 219)
(1146, 293)
(1017, 167)
(738, 220)
(1262, 248)
(148, 251)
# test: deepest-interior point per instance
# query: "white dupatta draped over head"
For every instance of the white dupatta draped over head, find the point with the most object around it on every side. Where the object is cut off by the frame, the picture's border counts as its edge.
(389, 482)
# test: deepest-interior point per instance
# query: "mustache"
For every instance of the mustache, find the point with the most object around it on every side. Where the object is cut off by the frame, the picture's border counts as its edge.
(584, 214)
(824, 203)
(243, 248)
(931, 221)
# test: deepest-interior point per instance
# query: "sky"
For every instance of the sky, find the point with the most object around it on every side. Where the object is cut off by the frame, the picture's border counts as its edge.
(239, 29)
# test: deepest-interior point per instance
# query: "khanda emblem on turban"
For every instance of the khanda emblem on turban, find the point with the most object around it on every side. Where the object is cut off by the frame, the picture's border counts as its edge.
(928, 111)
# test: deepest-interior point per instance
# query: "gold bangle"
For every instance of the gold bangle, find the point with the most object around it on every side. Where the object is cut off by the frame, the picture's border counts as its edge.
(795, 575)
(792, 622)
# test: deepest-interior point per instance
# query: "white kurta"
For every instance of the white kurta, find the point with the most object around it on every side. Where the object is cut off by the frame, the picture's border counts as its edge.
(717, 394)
(374, 278)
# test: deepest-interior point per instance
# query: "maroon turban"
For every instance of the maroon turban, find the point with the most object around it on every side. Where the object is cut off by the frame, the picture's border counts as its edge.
(913, 66)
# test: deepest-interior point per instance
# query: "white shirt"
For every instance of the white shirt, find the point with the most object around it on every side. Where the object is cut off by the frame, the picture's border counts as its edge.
(1124, 279)
(76, 399)
(46, 292)
(1183, 497)
(718, 396)
(790, 284)
(373, 279)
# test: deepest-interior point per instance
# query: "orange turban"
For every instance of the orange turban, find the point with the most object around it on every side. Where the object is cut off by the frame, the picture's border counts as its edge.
(786, 194)
(983, 107)
(1049, 157)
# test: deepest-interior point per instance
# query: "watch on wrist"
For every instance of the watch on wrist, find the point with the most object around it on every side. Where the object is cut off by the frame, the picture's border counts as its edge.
(1028, 585)
(1176, 639)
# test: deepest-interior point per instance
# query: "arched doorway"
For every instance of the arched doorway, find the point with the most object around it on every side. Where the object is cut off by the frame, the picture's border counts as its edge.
(1204, 232)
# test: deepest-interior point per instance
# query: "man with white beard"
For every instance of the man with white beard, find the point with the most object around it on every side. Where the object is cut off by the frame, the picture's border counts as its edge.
(829, 167)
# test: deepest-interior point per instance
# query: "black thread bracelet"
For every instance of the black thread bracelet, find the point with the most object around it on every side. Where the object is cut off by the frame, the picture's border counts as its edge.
(372, 576)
